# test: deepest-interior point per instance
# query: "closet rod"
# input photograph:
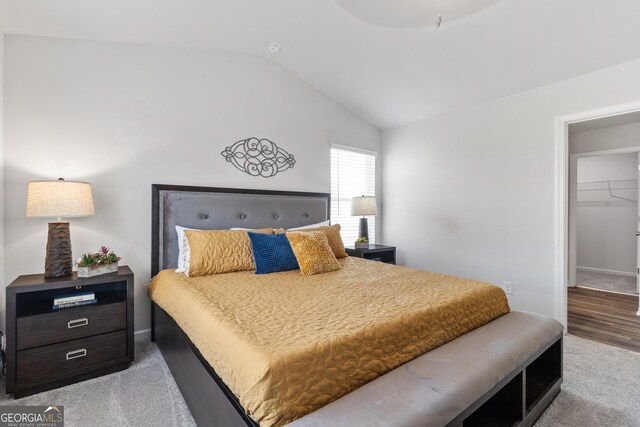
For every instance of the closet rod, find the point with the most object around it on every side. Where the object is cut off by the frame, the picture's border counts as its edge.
(602, 181)
(608, 188)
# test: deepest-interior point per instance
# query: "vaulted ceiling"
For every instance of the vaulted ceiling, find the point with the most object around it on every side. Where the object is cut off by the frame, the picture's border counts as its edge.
(390, 76)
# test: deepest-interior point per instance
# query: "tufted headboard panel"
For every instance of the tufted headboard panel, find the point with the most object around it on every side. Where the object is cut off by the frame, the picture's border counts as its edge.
(223, 208)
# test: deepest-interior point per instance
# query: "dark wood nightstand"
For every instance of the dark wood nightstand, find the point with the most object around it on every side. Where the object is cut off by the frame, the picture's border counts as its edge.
(49, 348)
(374, 252)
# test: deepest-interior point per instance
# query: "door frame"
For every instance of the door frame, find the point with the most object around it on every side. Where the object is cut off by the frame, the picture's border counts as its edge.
(573, 206)
(562, 196)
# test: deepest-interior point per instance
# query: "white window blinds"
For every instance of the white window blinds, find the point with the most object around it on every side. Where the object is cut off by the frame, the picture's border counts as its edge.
(353, 173)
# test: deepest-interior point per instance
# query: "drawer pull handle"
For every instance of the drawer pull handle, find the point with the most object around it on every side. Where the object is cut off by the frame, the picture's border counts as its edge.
(77, 323)
(76, 354)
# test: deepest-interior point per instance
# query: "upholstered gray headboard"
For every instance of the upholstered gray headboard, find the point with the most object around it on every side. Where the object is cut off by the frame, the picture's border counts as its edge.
(222, 208)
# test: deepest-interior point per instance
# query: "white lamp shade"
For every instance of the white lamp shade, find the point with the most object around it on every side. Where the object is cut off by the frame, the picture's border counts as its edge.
(59, 199)
(364, 205)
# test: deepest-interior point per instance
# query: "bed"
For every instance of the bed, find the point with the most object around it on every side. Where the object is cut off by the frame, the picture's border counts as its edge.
(196, 356)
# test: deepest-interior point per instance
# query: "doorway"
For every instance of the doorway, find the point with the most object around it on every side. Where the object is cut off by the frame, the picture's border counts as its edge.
(604, 210)
(603, 220)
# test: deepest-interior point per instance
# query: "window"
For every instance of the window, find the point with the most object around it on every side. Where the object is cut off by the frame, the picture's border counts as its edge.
(353, 173)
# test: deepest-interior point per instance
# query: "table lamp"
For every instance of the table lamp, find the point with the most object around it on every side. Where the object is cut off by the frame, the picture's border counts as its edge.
(59, 199)
(364, 205)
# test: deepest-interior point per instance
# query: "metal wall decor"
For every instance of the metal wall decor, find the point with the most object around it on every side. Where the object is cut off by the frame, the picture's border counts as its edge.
(258, 157)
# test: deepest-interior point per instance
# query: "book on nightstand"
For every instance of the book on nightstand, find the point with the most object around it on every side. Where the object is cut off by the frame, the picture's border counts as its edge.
(74, 300)
(74, 304)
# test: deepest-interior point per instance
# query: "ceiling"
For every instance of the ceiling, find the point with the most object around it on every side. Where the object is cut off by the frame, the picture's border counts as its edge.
(412, 13)
(390, 76)
(605, 122)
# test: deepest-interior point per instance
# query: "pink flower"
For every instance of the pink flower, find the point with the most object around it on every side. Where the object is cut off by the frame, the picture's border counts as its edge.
(104, 250)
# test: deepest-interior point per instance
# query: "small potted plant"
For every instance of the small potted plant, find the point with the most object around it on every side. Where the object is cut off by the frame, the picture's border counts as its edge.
(102, 262)
(362, 243)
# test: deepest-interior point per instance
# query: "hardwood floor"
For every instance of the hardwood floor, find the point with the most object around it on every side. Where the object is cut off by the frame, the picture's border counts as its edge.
(604, 316)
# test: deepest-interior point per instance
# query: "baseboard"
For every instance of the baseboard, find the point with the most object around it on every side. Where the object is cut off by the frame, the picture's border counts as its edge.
(142, 335)
(603, 270)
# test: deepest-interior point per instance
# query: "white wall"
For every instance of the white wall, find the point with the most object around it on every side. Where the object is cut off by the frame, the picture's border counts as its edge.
(125, 116)
(606, 226)
(472, 192)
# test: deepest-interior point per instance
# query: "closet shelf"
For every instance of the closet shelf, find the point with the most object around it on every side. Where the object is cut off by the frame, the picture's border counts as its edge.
(603, 185)
(610, 185)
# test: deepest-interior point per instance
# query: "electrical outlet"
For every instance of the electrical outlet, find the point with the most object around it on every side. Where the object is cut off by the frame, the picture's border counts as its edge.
(508, 287)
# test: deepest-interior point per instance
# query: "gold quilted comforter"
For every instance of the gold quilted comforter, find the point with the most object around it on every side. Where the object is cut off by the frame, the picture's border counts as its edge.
(287, 344)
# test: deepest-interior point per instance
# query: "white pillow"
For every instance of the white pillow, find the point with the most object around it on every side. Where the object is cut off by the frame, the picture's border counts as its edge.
(304, 227)
(183, 248)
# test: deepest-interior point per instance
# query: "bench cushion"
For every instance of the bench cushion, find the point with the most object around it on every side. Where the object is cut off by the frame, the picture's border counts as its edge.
(433, 389)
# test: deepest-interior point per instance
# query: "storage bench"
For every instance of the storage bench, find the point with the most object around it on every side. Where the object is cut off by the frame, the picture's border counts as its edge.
(505, 373)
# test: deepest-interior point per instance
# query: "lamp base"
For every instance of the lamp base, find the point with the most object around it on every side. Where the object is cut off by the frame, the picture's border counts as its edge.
(364, 228)
(58, 262)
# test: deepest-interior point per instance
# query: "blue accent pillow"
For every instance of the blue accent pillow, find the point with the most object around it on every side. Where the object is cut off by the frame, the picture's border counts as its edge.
(272, 253)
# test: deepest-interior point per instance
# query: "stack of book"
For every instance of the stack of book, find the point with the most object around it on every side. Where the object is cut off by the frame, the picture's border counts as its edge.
(74, 300)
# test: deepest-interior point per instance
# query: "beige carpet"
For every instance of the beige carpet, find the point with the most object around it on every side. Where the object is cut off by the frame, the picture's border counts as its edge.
(607, 282)
(601, 389)
(143, 395)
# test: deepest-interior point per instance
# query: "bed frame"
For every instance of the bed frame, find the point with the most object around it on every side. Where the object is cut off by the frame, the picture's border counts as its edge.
(210, 400)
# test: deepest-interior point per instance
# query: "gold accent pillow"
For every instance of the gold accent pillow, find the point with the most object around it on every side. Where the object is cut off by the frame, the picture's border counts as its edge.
(312, 251)
(220, 251)
(333, 236)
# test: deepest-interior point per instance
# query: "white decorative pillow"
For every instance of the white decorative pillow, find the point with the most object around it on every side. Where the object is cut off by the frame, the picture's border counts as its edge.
(183, 248)
(304, 227)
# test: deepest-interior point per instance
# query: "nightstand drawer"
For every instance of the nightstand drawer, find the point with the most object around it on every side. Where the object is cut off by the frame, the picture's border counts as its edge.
(55, 359)
(70, 323)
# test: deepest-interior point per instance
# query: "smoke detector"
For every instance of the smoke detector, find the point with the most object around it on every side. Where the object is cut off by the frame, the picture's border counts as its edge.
(274, 47)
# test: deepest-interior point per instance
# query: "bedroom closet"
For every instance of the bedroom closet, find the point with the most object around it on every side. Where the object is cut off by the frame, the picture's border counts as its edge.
(604, 230)
(607, 221)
